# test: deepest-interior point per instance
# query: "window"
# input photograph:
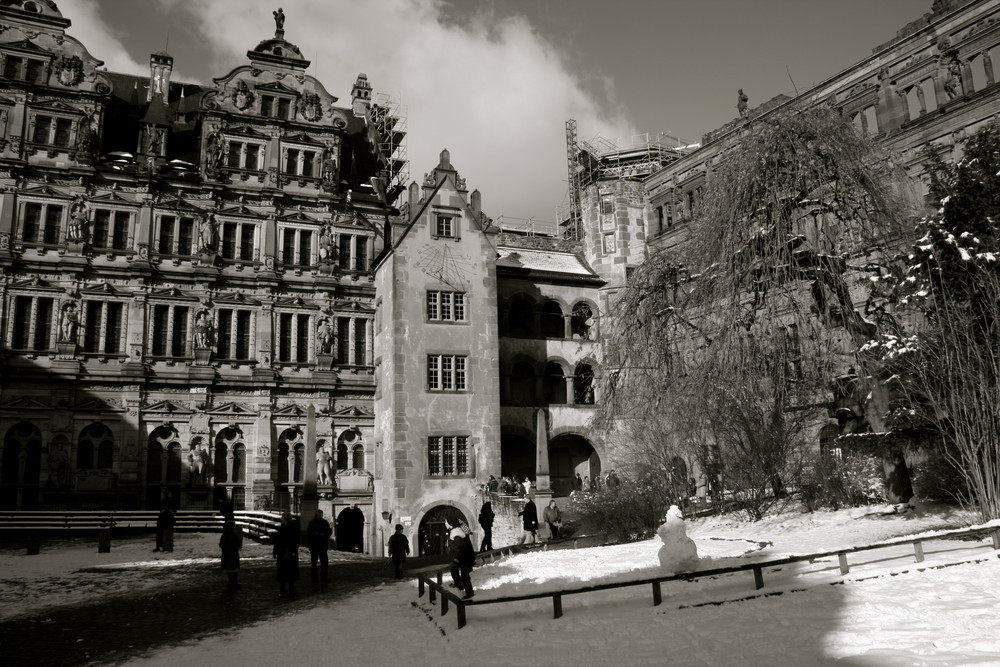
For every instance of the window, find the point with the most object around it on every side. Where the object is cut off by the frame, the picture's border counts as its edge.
(360, 342)
(446, 372)
(176, 235)
(344, 253)
(296, 247)
(448, 455)
(293, 337)
(445, 226)
(96, 438)
(234, 334)
(301, 162)
(41, 223)
(360, 253)
(239, 240)
(344, 340)
(103, 327)
(169, 331)
(275, 107)
(446, 306)
(12, 67)
(607, 204)
(111, 229)
(51, 131)
(245, 155)
(24, 69)
(33, 323)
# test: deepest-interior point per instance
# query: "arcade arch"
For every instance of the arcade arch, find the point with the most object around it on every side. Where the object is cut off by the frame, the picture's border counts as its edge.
(432, 535)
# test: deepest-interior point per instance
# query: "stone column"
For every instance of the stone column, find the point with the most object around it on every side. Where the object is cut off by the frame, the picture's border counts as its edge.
(310, 497)
(542, 482)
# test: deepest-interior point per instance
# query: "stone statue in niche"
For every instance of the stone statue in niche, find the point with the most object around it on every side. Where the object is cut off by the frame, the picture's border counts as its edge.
(741, 103)
(200, 461)
(70, 323)
(154, 140)
(77, 232)
(953, 78)
(324, 337)
(213, 153)
(85, 135)
(326, 244)
(203, 330)
(206, 234)
(324, 467)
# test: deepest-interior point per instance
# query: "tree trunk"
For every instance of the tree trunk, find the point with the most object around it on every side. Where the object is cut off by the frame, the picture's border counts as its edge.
(899, 488)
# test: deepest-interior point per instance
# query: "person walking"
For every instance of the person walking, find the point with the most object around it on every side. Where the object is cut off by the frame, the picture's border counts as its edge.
(553, 517)
(165, 522)
(318, 533)
(230, 545)
(486, 517)
(463, 556)
(399, 549)
(529, 520)
(286, 553)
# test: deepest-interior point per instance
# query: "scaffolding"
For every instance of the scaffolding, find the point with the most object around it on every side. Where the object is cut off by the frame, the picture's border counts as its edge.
(574, 217)
(526, 227)
(389, 118)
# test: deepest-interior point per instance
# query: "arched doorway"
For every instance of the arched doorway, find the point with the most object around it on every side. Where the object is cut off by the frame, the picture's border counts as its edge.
(571, 455)
(432, 538)
(20, 468)
(163, 468)
(290, 458)
(517, 457)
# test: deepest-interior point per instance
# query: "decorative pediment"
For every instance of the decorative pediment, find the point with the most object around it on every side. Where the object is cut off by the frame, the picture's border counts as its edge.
(167, 407)
(55, 105)
(245, 131)
(232, 409)
(170, 293)
(6, 101)
(354, 411)
(292, 410)
(33, 281)
(239, 209)
(103, 287)
(25, 403)
(112, 196)
(304, 139)
(177, 204)
(27, 46)
(94, 405)
(236, 298)
(294, 301)
(353, 306)
(296, 216)
(44, 190)
(276, 87)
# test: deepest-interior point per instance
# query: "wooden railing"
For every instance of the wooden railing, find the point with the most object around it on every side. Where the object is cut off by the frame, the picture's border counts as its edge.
(257, 525)
(435, 585)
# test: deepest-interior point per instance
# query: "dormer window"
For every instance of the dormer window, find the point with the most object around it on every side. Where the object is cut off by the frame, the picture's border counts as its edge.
(24, 69)
(275, 107)
(445, 226)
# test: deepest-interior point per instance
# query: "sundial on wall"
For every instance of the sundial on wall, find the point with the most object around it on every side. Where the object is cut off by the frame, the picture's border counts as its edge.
(440, 262)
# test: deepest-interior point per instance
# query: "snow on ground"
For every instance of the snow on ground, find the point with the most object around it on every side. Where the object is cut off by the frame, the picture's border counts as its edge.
(889, 610)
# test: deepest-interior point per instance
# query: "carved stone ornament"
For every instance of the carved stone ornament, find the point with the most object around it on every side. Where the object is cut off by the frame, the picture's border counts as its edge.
(311, 107)
(4, 241)
(242, 96)
(69, 70)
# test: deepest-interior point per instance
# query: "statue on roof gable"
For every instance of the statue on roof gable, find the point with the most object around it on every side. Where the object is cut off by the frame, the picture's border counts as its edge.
(279, 22)
(741, 103)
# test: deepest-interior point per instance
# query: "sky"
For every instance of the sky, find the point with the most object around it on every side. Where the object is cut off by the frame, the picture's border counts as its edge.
(887, 611)
(494, 81)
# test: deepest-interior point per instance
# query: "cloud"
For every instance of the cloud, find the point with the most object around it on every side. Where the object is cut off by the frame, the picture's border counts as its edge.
(491, 91)
(93, 31)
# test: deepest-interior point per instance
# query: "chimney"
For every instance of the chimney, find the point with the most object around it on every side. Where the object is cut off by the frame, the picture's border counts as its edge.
(160, 66)
(477, 202)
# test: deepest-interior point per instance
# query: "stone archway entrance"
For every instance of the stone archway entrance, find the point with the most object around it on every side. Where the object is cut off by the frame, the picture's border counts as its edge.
(571, 455)
(432, 538)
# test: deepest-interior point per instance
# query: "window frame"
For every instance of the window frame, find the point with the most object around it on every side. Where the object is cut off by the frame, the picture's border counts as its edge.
(243, 142)
(54, 118)
(297, 233)
(45, 205)
(115, 222)
(447, 373)
(448, 456)
(446, 300)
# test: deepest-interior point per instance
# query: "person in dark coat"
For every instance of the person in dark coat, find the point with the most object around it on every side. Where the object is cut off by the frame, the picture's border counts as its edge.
(529, 520)
(553, 517)
(165, 521)
(286, 553)
(463, 556)
(486, 516)
(319, 532)
(230, 545)
(399, 549)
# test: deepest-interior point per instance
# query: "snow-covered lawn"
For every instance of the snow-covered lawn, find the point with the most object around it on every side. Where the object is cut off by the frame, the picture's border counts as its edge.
(888, 611)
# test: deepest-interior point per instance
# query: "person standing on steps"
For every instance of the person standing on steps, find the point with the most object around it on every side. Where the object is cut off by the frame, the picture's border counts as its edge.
(463, 556)
(486, 517)
(529, 520)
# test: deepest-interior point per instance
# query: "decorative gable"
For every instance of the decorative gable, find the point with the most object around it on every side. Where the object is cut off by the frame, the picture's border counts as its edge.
(25, 403)
(233, 409)
(167, 407)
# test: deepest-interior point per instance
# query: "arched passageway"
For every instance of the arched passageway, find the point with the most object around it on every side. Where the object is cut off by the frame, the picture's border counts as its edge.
(517, 457)
(571, 455)
(432, 538)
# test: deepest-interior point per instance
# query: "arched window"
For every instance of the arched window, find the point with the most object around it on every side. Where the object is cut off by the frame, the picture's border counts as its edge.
(358, 457)
(21, 467)
(96, 438)
(174, 463)
(290, 453)
(221, 454)
(299, 455)
(554, 384)
(522, 384)
(154, 462)
(521, 318)
(553, 325)
(239, 464)
(230, 466)
(347, 445)
(582, 322)
(583, 385)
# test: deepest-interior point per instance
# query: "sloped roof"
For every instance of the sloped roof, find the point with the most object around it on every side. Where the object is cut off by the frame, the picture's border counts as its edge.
(546, 261)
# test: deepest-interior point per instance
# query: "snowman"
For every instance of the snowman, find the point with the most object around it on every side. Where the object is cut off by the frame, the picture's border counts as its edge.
(679, 552)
